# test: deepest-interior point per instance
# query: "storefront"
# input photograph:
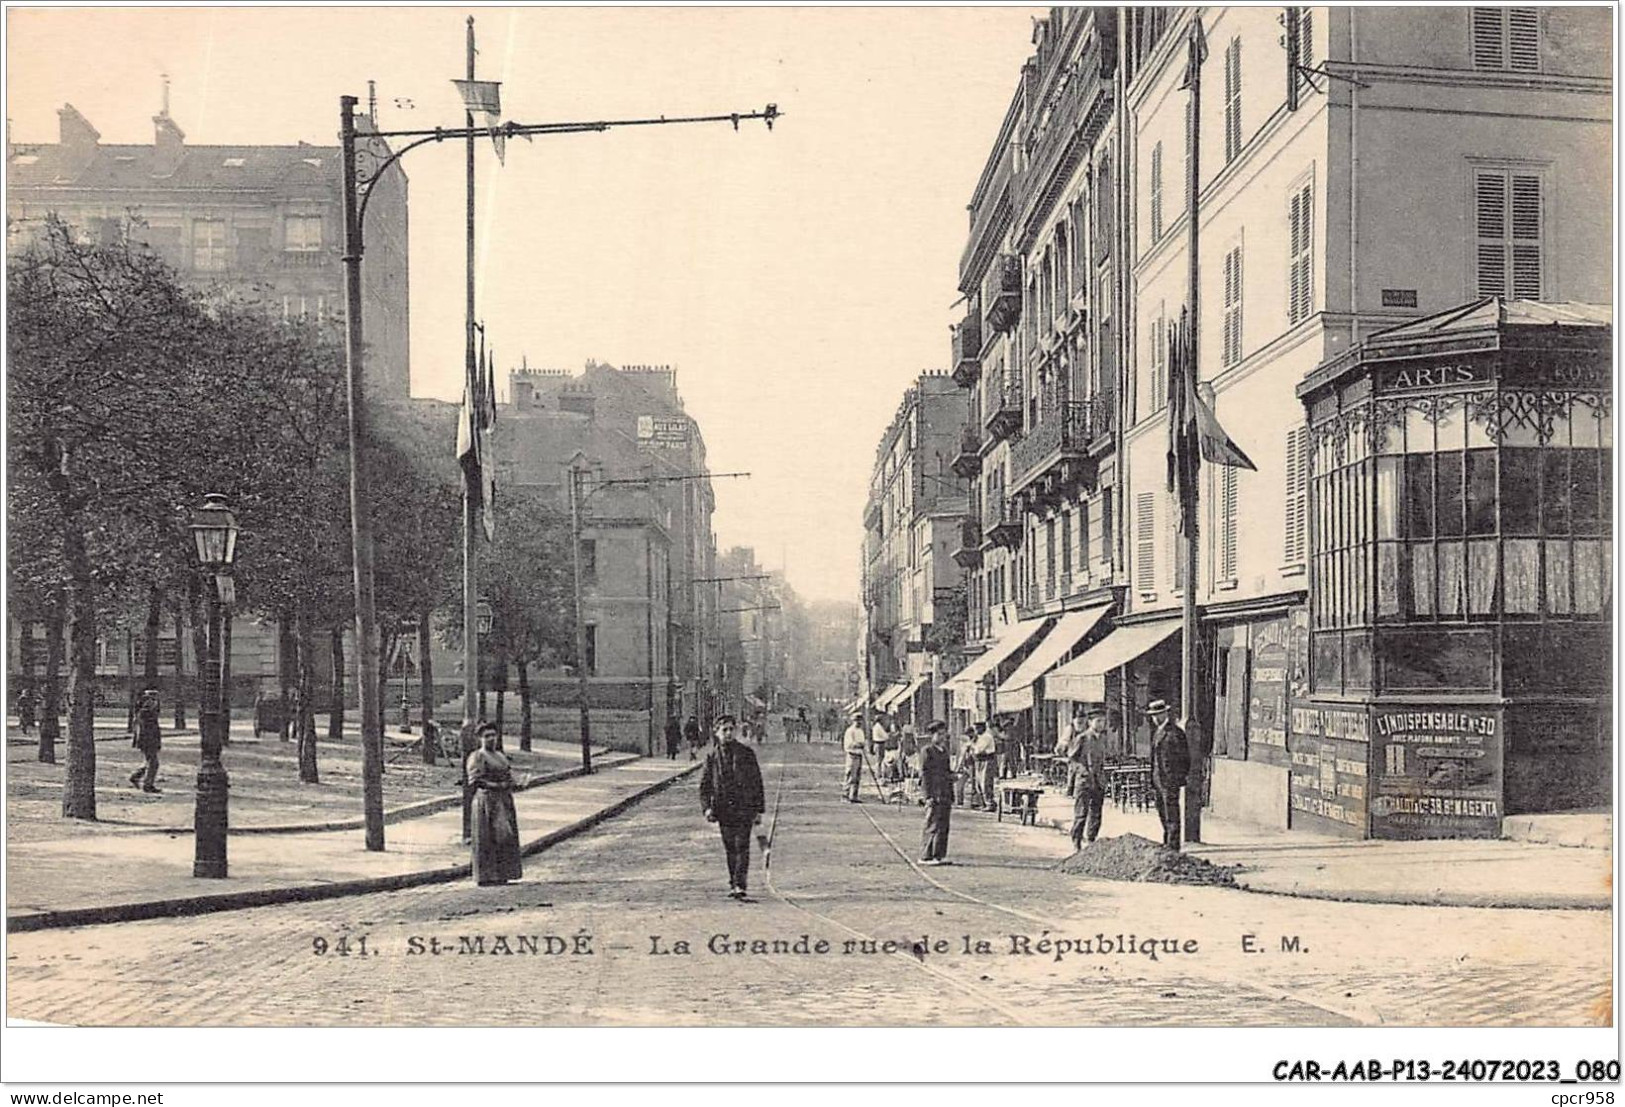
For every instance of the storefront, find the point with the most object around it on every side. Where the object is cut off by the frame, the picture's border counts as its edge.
(973, 687)
(1132, 665)
(1459, 623)
(1018, 695)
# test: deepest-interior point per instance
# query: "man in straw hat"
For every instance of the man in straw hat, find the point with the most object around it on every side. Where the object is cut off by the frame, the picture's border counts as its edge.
(1170, 766)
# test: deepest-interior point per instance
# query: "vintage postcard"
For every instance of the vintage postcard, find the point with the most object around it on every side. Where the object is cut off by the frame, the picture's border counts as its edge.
(816, 517)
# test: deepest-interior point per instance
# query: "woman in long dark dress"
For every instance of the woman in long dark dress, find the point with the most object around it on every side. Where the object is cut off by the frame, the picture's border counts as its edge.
(494, 840)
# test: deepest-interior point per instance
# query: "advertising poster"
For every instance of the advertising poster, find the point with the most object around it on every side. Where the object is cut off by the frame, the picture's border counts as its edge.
(1438, 772)
(1267, 703)
(1330, 751)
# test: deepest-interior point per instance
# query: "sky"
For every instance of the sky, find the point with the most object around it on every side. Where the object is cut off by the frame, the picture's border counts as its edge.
(798, 280)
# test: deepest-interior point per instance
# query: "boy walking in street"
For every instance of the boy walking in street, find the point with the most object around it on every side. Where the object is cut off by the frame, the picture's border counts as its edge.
(731, 796)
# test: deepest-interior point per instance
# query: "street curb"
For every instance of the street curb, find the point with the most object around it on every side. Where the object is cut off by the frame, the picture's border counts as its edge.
(310, 893)
(405, 811)
(1487, 900)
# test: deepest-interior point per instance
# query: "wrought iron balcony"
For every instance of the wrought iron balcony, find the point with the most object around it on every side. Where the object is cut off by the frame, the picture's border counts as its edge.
(1002, 417)
(1002, 524)
(1001, 292)
(1053, 457)
(969, 553)
(968, 462)
(967, 347)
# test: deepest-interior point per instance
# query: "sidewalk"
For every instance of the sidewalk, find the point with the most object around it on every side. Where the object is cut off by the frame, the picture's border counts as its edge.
(121, 876)
(1444, 872)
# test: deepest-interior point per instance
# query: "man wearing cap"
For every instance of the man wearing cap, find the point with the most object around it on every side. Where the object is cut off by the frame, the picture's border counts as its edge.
(1087, 759)
(937, 785)
(985, 774)
(1170, 766)
(852, 742)
(731, 796)
(148, 740)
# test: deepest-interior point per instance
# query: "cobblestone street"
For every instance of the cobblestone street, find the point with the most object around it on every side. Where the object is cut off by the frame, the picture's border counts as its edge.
(841, 874)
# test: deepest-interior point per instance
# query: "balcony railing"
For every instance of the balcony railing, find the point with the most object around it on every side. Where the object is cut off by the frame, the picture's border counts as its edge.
(969, 553)
(1002, 523)
(1002, 417)
(967, 347)
(1054, 454)
(1001, 293)
(968, 462)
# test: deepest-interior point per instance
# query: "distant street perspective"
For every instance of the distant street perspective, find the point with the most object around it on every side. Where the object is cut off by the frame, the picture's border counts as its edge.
(1076, 516)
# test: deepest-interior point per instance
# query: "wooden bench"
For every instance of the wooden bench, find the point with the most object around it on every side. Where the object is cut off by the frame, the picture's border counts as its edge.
(1021, 802)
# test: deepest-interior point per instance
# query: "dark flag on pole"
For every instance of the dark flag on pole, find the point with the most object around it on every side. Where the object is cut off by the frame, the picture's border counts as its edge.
(474, 427)
(1194, 432)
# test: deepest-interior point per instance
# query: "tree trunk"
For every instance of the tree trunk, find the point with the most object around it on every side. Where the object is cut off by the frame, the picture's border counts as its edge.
(135, 681)
(50, 722)
(386, 643)
(524, 703)
(425, 685)
(149, 638)
(499, 684)
(304, 725)
(287, 668)
(227, 615)
(79, 783)
(335, 713)
(180, 672)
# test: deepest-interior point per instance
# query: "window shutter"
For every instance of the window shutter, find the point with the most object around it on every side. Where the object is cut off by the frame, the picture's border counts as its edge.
(1082, 552)
(1523, 39)
(1489, 41)
(1145, 541)
(1176, 550)
(1227, 508)
(1490, 200)
(1232, 100)
(1232, 307)
(1306, 37)
(1295, 543)
(1526, 234)
(1156, 192)
(1300, 275)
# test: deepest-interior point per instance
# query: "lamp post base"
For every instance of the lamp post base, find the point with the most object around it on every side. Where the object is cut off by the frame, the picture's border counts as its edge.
(209, 821)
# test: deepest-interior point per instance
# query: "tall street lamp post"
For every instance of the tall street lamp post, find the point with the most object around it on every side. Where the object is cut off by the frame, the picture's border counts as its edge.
(481, 97)
(214, 532)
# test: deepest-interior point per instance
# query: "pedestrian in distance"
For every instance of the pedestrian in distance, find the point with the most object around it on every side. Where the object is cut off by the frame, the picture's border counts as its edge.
(852, 743)
(964, 771)
(985, 751)
(937, 784)
(494, 837)
(1087, 760)
(148, 740)
(674, 737)
(731, 796)
(27, 706)
(1170, 767)
(691, 735)
(1071, 732)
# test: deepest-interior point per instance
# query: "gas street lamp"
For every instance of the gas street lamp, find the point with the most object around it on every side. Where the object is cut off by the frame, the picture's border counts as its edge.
(214, 533)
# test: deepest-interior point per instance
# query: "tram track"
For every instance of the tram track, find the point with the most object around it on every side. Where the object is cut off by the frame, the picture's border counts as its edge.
(1257, 988)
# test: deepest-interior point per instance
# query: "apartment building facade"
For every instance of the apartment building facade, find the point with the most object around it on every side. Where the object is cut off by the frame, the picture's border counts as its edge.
(1361, 170)
(912, 525)
(650, 601)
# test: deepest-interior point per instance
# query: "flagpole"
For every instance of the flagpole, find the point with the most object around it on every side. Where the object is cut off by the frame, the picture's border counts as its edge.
(471, 661)
(1194, 794)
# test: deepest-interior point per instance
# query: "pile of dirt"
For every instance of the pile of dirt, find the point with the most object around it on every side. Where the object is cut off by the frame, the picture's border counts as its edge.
(1132, 857)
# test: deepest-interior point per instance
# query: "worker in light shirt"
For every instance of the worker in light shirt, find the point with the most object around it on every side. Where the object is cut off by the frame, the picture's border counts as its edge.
(985, 752)
(852, 743)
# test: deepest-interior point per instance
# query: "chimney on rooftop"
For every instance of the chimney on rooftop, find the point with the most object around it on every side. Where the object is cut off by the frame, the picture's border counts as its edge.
(169, 140)
(77, 137)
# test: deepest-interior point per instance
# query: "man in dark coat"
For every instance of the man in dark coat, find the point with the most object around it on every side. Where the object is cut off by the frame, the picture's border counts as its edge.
(674, 737)
(1086, 757)
(731, 796)
(148, 740)
(937, 785)
(691, 734)
(1170, 766)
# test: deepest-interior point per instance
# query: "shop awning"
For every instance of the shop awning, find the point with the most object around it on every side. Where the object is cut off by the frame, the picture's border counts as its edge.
(906, 695)
(883, 700)
(1016, 694)
(964, 683)
(1084, 678)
